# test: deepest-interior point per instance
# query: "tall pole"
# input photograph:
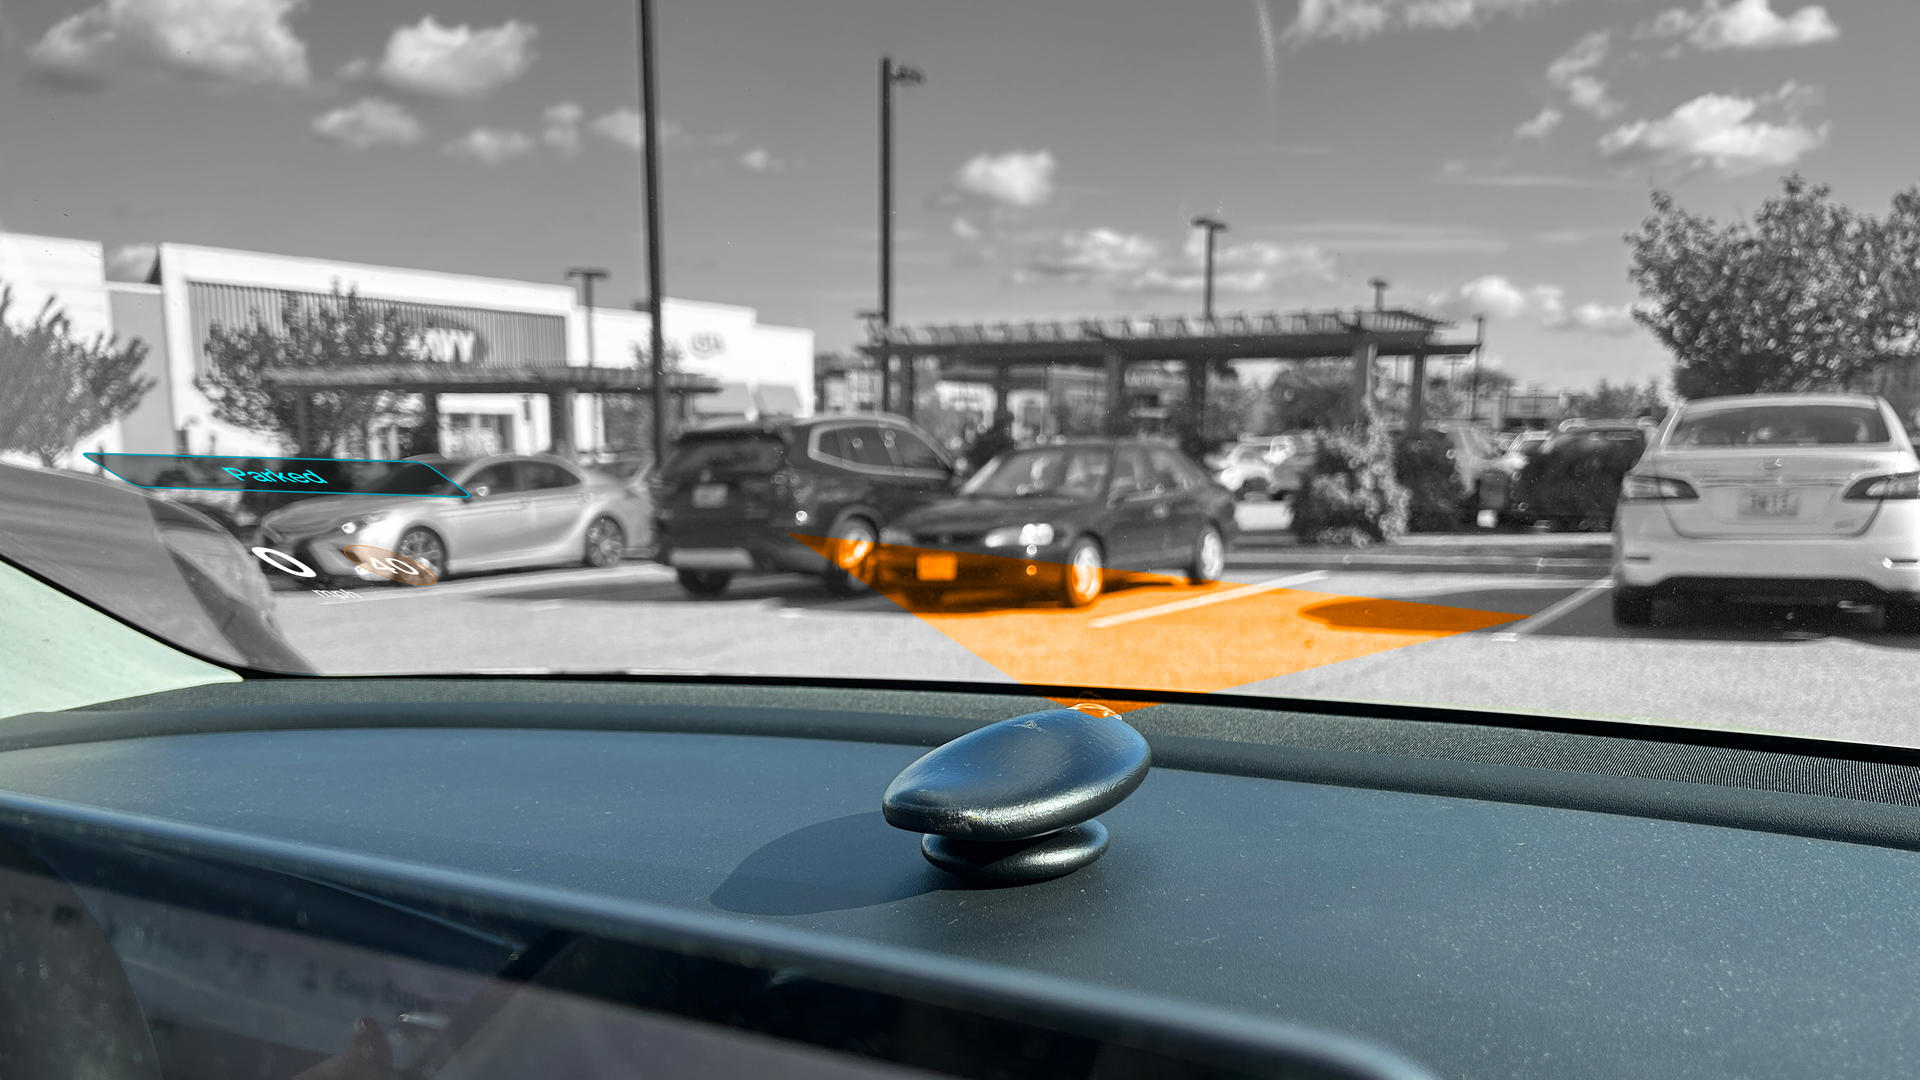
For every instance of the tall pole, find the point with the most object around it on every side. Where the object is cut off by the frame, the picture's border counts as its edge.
(656, 287)
(1196, 371)
(586, 276)
(1212, 226)
(889, 74)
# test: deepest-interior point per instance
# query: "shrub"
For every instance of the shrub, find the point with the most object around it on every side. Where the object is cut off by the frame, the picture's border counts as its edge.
(1424, 466)
(1351, 497)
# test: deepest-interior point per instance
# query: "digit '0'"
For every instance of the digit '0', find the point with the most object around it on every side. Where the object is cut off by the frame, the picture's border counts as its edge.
(279, 560)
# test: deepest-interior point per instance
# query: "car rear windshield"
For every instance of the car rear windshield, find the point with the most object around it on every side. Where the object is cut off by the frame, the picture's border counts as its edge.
(732, 454)
(1781, 425)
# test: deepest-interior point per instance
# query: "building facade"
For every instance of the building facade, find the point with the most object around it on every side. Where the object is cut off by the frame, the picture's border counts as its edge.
(473, 323)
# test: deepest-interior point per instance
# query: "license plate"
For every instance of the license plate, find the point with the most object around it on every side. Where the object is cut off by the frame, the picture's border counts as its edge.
(708, 496)
(938, 567)
(1768, 502)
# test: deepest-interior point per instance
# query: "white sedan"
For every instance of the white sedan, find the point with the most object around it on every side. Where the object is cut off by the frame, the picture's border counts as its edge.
(1802, 497)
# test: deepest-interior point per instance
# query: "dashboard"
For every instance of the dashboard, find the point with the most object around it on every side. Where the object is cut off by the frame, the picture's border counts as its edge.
(1291, 891)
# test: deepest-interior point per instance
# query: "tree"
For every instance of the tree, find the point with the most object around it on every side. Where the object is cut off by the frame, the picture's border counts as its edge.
(628, 418)
(1809, 295)
(54, 390)
(1622, 402)
(1316, 393)
(337, 332)
(1351, 496)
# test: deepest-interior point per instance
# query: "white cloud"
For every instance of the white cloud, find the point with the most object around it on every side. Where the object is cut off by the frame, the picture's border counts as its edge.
(1353, 20)
(1744, 24)
(761, 160)
(1541, 125)
(622, 126)
(560, 127)
(240, 41)
(1722, 133)
(1134, 264)
(492, 146)
(367, 123)
(132, 262)
(1017, 179)
(1496, 297)
(1572, 73)
(456, 61)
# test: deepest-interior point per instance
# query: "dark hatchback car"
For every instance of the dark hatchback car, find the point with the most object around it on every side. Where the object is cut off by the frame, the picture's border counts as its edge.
(1573, 482)
(1058, 518)
(735, 496)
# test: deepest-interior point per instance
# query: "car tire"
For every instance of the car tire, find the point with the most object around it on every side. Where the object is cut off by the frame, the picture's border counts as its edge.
(1083, 578)
(704, 582)
(852, 555)
(424, 546)
(1209, 556)
(1632, 607)
(606, 544)
(1901, 617)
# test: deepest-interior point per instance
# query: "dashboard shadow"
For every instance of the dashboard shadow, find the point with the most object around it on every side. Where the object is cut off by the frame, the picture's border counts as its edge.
(841, 864)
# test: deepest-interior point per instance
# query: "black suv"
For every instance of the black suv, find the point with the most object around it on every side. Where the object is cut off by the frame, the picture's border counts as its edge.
(740, 496)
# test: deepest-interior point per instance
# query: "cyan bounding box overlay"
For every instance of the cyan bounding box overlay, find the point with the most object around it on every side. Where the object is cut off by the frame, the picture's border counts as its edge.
(308, 476)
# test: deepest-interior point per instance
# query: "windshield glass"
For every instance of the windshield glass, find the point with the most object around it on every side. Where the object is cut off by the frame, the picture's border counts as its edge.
(1205, 348)
(1781, 425)
(1074, 472)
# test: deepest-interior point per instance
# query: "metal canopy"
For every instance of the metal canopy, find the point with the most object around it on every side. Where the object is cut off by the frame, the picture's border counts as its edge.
(1093, 342)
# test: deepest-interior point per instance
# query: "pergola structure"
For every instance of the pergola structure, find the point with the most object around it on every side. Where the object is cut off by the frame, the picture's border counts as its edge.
(991, 353)
(559, 384)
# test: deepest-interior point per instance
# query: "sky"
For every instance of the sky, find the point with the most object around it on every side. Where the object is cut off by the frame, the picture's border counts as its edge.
(1483, 156)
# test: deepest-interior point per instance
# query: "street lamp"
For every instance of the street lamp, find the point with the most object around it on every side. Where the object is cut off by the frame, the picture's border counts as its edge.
(656, 288)
(890, 74)
(1379, 293)
(1213, 226)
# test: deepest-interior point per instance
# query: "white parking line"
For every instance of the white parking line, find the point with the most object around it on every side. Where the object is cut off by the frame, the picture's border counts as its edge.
(1555, 611)
(1211, 598)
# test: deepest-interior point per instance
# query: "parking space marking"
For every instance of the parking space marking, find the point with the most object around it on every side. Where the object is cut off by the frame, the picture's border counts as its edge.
(1211, 598)
(1555, 611)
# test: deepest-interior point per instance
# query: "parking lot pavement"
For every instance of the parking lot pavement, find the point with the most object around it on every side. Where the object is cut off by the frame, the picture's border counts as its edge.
(1537, 642)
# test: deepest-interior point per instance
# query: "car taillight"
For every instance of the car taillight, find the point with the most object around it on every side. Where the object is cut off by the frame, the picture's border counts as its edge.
(1897, 486)
(1655, 488)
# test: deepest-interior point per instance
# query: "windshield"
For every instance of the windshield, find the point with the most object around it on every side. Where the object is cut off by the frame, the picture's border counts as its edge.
(1781, 425)
(1218, 348)
(1050, 471)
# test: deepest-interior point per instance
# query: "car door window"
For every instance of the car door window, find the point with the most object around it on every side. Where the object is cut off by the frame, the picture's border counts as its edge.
(1131, 473)
(855, 445)
(1168, 471)
(492, 480)
(545, 478)
(910, 451)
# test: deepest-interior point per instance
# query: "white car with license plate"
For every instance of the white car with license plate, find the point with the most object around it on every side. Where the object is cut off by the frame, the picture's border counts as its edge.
(1797, 497)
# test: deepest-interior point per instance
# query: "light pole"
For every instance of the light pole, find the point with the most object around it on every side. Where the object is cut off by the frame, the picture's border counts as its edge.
(1213, 226)
(889, 75)
(656, 288)
(1379, 293)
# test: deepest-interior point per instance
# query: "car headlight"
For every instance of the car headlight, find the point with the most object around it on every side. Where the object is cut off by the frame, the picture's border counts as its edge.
(891, 535)
(355, 524)
(1033, 534)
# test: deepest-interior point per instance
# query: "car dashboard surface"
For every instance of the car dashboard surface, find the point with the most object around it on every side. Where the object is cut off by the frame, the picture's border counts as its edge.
(1476, 896)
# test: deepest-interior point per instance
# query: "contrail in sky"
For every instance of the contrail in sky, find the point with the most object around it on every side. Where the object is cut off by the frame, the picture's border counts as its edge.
(1270, 50)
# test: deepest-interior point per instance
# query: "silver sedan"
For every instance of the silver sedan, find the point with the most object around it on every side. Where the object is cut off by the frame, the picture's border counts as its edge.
(520, 510)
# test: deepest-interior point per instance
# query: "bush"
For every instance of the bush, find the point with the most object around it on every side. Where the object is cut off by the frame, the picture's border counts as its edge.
(1424, 466)
(1351, 497)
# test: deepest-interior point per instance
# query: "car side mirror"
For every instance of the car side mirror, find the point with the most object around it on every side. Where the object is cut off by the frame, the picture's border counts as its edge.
(480, 491)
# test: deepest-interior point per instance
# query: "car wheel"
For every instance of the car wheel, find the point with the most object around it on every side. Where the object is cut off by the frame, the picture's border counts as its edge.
(1209, 556)
(851, 556)
(1901, 617)
(425, 547)
(704, 582)
(606, 543)
(1083, 577)
(1632, 607)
